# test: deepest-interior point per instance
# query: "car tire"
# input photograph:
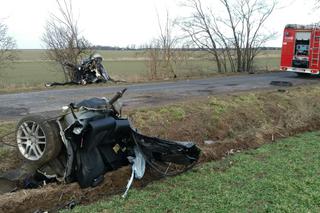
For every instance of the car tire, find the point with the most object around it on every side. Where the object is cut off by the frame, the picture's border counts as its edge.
(37, 139)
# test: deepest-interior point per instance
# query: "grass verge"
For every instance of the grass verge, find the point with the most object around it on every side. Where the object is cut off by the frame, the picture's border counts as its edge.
(237, 121)
(234, 122)
(280, 177)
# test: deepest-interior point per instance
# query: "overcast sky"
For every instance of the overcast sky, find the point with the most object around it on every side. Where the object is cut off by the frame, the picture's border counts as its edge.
(124, 22)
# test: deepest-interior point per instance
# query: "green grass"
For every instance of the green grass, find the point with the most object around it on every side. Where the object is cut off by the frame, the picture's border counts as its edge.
(36, 54)
(280, 177)
(24, 74)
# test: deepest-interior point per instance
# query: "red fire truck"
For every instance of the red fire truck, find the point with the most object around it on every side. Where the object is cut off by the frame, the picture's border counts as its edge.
(301, 49)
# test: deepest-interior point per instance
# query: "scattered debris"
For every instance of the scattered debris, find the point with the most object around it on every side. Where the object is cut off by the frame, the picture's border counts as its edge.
(282, 90)
(281, 83)
(233, 151)
(40, 211)
(209, 142)
(89, 71)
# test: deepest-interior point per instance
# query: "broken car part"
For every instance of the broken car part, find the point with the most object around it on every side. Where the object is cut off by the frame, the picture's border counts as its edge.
(89, 71)
(89, 139)
(281, 83)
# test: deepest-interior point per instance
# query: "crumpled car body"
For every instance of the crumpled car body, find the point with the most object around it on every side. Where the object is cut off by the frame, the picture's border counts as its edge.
(89, 139)
(89, 71)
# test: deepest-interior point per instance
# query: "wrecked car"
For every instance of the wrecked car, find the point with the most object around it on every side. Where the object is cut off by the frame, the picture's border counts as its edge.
(89, 139)
(89, 71)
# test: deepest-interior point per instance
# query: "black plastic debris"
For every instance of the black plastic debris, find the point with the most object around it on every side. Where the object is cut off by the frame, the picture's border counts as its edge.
(88, 140)
(281, 83)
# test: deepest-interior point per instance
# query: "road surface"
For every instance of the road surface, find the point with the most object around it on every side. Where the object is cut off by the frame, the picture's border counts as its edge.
(14, 106)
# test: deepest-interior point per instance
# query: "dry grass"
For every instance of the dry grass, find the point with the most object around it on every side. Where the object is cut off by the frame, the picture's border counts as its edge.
(8, 154)
(234, 122)
(238, 121)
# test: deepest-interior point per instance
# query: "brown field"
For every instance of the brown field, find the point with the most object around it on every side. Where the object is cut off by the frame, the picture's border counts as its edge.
(33, 70)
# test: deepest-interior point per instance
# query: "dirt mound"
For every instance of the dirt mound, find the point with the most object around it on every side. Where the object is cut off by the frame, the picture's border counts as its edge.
(52, 197)
(229, 122)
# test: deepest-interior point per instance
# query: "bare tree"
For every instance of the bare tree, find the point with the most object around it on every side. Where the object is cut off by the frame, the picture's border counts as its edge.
(153, 59)
(198, 28)
(7, 44)
(162, 52)
(234, 37)
(168, 43)
(63, 40)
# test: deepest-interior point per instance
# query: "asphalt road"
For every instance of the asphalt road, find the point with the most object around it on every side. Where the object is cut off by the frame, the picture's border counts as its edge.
(14, 106)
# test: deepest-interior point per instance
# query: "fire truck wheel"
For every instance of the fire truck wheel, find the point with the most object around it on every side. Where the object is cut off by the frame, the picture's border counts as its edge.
(303, 74)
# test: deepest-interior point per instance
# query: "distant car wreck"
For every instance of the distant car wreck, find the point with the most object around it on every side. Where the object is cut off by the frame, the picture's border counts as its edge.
(89, 71)
(89, 139)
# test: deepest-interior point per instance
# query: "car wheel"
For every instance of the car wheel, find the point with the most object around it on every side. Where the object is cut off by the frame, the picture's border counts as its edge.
(38, 139)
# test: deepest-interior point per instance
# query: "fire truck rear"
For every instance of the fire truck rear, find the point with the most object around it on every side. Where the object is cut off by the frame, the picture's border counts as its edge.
(301, 49)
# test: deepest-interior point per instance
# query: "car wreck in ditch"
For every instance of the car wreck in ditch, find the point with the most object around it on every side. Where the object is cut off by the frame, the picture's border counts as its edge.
(87, 140)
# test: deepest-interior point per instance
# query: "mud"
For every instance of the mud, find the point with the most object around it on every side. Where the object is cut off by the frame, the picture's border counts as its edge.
(53, 197)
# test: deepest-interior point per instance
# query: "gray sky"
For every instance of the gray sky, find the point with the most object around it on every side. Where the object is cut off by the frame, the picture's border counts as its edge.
(124, 22)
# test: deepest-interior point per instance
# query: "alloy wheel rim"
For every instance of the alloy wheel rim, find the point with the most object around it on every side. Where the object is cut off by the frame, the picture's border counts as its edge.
(31, 140)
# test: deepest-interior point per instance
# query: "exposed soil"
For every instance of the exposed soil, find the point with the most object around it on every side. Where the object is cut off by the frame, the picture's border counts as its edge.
(52, 197)
(232, 122)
